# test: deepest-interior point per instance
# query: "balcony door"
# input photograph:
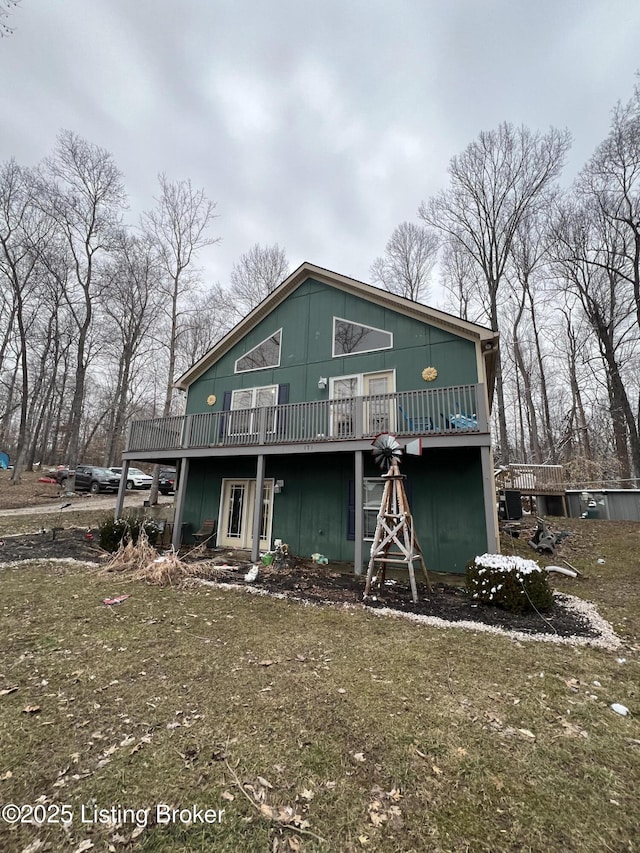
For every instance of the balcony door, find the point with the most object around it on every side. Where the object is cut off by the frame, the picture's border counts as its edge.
(343, 391)
(378, 413)
(237, 506)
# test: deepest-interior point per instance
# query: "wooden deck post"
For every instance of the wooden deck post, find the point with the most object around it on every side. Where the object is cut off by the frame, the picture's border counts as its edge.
(489, 498)
(122, 490)
(182, 472)
(257, 509)
(359, 513)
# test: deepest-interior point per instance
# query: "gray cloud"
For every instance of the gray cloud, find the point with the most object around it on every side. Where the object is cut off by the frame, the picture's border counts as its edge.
(319, 126)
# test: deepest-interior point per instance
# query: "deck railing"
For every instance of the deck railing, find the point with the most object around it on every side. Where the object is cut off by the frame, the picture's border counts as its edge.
(453, 410)
(532, 479)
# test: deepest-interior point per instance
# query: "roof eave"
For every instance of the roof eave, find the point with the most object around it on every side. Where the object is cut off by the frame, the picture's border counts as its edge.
(307, 270)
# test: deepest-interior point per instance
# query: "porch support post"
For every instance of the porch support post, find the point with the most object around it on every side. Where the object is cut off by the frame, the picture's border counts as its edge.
(257, 509)
(122, 489)
(489, 495)
(182, 473)
(359, 519)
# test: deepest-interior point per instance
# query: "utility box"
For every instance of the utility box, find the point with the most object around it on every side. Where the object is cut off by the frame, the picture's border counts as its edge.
(510, 505)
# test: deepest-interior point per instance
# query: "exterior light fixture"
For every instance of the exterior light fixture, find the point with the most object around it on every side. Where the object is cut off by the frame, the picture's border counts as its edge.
(322, 383)
(278, 487)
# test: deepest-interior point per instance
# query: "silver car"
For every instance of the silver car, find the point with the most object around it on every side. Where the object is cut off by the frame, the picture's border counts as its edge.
(136, 479)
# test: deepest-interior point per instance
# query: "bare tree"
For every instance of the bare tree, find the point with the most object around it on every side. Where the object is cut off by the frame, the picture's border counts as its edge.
(210, 316)
(578, 413)
(22, 230)
(586, 250)
(84, 196)
(612, 179)
(178, 227)
(462, 282)
(6, 7)
(495, 182)
(132, 308)
(256, 274)
(528, 259)
(406, 266)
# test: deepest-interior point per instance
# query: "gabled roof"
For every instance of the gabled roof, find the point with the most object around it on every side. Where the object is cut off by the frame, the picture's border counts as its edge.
(306, 270)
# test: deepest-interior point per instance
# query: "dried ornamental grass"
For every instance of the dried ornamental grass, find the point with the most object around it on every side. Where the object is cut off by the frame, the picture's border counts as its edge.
(132, 556)
(145, 563)
(163, 570)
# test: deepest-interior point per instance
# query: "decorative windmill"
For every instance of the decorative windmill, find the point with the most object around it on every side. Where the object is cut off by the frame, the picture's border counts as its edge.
(395, 540)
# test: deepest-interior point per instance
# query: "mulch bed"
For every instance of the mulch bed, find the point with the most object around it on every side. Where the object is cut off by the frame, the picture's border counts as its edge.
(304, 580)
(67, 544)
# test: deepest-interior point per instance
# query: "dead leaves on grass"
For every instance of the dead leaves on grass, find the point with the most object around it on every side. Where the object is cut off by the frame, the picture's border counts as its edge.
(285, 817)
(383, 809)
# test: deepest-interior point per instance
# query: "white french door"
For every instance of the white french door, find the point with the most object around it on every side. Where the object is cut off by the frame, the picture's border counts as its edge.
(378, 415)
(236, 514)
(343, 390)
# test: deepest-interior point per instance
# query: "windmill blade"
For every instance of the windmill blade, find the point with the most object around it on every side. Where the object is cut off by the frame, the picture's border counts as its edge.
(385, 449)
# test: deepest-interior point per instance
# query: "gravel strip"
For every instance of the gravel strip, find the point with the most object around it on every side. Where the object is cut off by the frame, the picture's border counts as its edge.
(605, 638)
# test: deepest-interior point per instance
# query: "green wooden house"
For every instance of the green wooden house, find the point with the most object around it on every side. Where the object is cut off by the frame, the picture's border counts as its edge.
(275, 442)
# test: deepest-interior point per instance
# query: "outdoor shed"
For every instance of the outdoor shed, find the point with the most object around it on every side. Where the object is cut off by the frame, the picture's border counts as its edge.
(611, 504)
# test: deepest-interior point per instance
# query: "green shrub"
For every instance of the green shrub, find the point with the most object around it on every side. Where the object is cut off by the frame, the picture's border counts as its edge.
(512, 583)
(114, 531)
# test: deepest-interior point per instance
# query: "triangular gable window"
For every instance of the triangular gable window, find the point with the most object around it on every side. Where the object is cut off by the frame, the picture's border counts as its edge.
(265, 354)
(350, 338)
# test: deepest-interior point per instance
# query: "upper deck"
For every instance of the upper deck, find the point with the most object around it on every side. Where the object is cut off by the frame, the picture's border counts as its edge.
(454, 411)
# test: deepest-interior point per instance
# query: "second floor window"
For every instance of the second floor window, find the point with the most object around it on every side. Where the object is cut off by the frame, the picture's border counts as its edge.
(263, 355)
(244, 417)
(350, 338)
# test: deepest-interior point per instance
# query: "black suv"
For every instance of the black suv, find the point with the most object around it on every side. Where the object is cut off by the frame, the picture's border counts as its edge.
(90, 478)
(167, 481)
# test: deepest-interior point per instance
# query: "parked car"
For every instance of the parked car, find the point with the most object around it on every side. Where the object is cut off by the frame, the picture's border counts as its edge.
(136, 479)
(90, 478)
(167, 481)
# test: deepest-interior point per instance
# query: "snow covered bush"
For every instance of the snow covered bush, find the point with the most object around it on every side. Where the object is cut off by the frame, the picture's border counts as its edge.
(512, 583)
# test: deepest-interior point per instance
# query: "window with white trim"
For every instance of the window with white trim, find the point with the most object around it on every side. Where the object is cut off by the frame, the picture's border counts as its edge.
(373, 488)
(378, 412)
(264, 355)
(245, 403)
(351, 338)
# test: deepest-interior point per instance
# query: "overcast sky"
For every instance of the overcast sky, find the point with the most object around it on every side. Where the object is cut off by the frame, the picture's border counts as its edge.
(316, 125)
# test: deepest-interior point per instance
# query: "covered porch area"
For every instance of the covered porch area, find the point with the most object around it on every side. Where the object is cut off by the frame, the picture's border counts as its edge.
(324, 498)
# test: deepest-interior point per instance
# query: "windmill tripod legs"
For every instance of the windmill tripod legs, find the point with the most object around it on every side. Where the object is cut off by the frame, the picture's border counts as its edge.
(395, 541)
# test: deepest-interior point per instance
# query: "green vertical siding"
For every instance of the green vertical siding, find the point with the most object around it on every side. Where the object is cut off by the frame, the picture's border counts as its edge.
(306, 319)
(311, 512)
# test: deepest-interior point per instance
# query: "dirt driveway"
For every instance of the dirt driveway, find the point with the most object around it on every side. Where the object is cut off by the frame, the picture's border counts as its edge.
(104, 502)
(31, 496)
